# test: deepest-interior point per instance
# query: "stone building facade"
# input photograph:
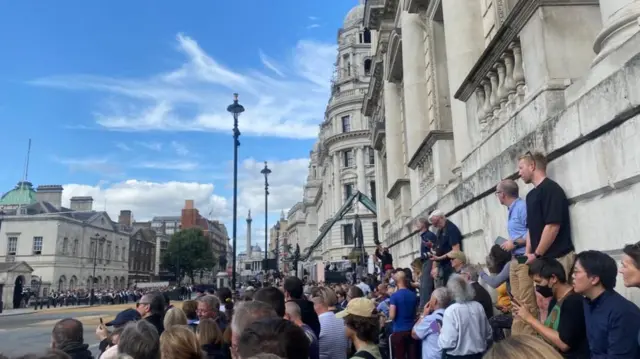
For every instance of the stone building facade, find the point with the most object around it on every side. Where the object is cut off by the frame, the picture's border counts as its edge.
(461, 88)
(142, 256)
(63, 246)
(342, 160)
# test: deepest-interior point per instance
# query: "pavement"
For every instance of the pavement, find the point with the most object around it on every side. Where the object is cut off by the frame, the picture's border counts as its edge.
(29, 332)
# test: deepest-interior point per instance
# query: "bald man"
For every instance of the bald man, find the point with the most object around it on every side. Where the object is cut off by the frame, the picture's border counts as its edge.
(292, 313)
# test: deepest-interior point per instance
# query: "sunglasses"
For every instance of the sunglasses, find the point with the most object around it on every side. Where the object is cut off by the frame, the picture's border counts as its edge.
(140, 303)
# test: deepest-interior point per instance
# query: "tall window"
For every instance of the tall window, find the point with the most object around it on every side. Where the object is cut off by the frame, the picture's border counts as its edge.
(372, 190)
(347, 158)
(371, 156)
(101, 252)
(74, 251)
(117, 256)
(124, 250)
(65, 245)
(37, 245)
(347, 234)
(346, 123)
(367, 67)
(375, 232)
(108, 252)
(348, 191)
(12, 246)
(367, 36)
(92, 249)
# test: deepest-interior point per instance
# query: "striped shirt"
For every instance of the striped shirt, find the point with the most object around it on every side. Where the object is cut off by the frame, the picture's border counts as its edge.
(333, 339)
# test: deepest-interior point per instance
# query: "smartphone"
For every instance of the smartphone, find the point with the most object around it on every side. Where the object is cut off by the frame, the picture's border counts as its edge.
(522, 259)
(500, 240)
(513, 300)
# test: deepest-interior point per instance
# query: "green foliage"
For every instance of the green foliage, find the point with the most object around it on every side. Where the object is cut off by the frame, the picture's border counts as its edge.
(189, 251)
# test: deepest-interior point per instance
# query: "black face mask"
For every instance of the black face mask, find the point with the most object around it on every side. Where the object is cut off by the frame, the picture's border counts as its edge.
(544, 291)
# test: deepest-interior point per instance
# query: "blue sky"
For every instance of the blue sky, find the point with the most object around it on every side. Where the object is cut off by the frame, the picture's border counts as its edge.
(126, 100)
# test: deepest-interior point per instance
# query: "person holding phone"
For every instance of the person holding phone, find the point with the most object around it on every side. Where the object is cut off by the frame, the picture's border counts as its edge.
(520, 284)
(427, 241)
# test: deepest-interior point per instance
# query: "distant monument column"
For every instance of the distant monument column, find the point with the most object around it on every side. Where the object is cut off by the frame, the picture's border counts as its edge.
(249, 220)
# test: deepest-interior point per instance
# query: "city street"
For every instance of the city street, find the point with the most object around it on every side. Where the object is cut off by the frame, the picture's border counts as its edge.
(31, 333)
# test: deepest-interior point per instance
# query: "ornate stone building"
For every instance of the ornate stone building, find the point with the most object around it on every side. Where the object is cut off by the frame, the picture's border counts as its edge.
(342, 160)
(461, 88)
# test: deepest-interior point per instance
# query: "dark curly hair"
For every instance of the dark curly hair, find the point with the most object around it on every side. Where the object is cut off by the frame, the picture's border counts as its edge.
(498, 258)
(366, 329)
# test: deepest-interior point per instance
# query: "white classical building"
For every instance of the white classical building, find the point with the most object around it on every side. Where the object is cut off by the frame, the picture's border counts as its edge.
(461, 88)
(64, 246)
(342, 160)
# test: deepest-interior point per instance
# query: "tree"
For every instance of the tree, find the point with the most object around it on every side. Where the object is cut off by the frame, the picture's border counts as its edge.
(189, 251)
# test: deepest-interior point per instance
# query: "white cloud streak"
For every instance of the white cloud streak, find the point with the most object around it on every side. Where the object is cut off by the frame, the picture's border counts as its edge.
(313, 26)
(180, 149)
(203, 85)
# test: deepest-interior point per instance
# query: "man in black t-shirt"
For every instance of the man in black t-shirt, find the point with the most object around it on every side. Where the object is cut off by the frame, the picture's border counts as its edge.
(449, 240)
(564, 327)
(548, 219)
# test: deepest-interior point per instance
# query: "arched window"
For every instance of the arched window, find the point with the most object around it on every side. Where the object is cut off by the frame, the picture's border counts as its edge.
(65, 245)
(367, 36)
(367, 67)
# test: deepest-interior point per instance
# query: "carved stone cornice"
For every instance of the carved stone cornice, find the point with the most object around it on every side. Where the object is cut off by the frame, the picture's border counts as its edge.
(375, 11)
(426, 145)
(507, 34)
(416, 6)
(378, 135)
(394, 191)
(344, 136)
(375, 88)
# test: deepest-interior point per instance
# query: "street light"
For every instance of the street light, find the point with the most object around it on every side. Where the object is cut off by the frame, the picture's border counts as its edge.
(235, 109)
(95, 262)
(277, 247)
(266, 172)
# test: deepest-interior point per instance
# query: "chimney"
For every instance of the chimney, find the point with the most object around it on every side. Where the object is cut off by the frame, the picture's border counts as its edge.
(189, 217)
(125, 218)
(249, 220)
(51, 194)
(188, 204)
(82, 203)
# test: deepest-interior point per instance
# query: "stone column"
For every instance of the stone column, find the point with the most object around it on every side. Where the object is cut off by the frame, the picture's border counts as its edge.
(464, 45)
(393, 132)
(337, 188)
(620, 22)
(362, 183)
(415, 81)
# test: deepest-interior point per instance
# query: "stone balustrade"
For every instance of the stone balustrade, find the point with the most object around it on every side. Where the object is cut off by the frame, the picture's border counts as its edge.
(502, 88)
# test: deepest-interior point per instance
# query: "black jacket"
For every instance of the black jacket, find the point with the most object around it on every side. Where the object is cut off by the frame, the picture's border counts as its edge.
(157, 321)
(309, 315)
(76, 350)
(483, 297)
(217, 351)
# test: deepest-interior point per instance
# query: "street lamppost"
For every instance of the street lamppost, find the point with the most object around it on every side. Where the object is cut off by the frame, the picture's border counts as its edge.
(235, 109)
(95, 262)
(266, 172)
(277, 247)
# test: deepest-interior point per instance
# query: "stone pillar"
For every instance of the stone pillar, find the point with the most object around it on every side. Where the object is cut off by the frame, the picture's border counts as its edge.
(415, 81)
(337, 188)
(620, 22)
(393, 132)
(362, 182)
(381, 196)
(248, 250)
(464, 45)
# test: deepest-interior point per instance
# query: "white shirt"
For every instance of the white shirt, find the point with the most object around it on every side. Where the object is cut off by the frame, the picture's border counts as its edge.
(332, 341)
(465, 329)
(365, 288)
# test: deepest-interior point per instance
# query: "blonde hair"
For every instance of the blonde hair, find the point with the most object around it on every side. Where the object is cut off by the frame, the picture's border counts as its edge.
(522, 347)
(416, 265)
(536, 157)
(174, 316)
(209, 332)
(179, 342)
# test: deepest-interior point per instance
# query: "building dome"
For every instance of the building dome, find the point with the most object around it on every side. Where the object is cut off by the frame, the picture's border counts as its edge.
(22, 194)
(354, 16)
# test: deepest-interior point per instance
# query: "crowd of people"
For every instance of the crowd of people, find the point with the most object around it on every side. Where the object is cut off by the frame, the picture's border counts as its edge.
(550, 302)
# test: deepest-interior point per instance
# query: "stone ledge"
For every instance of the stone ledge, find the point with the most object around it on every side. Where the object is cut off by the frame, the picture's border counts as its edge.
(427, 143)
(394, 191)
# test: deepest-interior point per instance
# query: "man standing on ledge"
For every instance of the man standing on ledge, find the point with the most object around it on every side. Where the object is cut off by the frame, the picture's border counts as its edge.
(548, 219)
(449, 240)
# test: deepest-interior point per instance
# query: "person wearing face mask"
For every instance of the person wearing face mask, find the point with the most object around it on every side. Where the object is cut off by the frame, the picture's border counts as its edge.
(564, 327)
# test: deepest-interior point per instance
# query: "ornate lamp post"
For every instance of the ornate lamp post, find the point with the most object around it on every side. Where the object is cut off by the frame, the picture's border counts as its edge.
(277, 247)
(235, 109)
(266, 172)
(95, 262)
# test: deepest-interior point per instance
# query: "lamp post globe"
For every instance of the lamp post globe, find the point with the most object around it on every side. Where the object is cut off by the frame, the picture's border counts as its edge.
(235, 109)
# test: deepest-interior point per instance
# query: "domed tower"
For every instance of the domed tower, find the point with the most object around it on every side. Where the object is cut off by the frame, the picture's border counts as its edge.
(345, 158)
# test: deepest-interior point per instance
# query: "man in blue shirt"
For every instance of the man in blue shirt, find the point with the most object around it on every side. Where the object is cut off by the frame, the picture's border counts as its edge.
(521, 284)
(427, 328)
(402, 313)
(612, 321)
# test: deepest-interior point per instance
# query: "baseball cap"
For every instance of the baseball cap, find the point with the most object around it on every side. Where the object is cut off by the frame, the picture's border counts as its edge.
(361, 307)
(124, 317)
(459, 256)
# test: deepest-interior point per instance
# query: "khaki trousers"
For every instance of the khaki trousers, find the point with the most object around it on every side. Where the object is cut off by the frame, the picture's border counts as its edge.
(523, 290)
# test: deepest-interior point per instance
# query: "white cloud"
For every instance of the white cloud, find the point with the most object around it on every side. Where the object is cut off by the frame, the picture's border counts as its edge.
(269, 63)
(313, 26)
(149, 199)
(180, 148)
(203, 85)
(313, 18)
(167, 165)
(154, 146)
(101, 165)
(123, 146)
